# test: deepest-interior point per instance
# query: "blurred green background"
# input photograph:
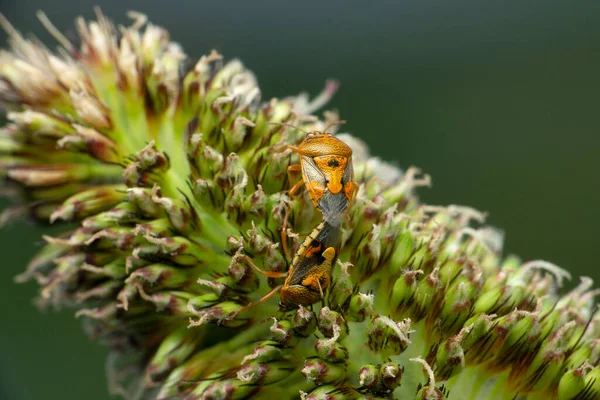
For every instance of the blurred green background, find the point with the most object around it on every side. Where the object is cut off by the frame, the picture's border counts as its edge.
(498, 102)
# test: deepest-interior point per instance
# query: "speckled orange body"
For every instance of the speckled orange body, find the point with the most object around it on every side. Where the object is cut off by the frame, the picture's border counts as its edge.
(309, 274)
(326, 164)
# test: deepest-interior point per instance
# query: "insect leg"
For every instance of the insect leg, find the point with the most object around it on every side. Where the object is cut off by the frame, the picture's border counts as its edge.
(291, 169)
(284, 236)
(268, 274)
(257, 302)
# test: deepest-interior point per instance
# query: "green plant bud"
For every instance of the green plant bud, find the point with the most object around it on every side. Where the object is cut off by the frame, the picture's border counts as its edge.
(48, 176)
(89, 202)
(114, 269)
(272, 164)
(387, 337)
(103, 291)
(43, 260)
(233, 245)
(594, 346)
(516, 335)
(450, 358)
(451, 270)
(572, 383)
(40, 124)
(277, 204)
(367, 255)
(231, 174)
(236, 197)
(208, 160)
(481, 326)
(391, 375)
(103, 257)
(331, 351)
(202, 302)
(155, 228)
(428, 290)
(92, 142)
(63, 275)
(255, 373)
(142, 198)
(457, 305)
(230, 389)
(341, 289)
(240, 128)
(580, 300)
(274, 259)
(256, 203)
(219, 314)
(497, 300)
(56, 192)
(173, 350)
(364, 214)
(150, 157)
(190, 101)
(161, 276)
(402, 251)
(265, 352)
(429, 393)
(105, 313)
(332, 324)
(420, 259)
(170, 302)
(282, 331)
(403, 291)
(304, 322)
(122, 238)
(225, 286)
(178, 249)
(120, 214)
(360, 307)
(320, 372)
(369, 377)
(543, 371)
(126, 296)
(242, 277)
(207, 192)
(177, 212)
(583, 354)
(591, 383)
(258, 243)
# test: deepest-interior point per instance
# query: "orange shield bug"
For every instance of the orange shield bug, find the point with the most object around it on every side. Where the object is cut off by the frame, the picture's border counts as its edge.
(309, 274)
(326, 164)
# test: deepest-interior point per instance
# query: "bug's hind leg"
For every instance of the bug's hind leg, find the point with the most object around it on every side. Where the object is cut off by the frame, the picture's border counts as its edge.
(284, 236)
(253, 304)
(268, 274)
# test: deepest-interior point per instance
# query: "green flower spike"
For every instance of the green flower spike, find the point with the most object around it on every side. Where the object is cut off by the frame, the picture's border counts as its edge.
(169, 177)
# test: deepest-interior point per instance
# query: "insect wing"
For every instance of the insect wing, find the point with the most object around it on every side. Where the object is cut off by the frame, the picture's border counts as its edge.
(313, 177)
(348, 172)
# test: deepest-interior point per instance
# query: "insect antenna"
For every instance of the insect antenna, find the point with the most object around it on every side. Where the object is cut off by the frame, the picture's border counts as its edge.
(288, 125)
(332, 124)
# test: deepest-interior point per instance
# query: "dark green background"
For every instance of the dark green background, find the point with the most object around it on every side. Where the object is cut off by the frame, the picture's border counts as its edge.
(499, 103)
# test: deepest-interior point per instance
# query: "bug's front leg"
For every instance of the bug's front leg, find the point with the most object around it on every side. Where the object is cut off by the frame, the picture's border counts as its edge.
(294, 168)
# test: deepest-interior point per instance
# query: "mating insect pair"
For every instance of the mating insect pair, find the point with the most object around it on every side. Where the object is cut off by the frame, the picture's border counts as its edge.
(328, 174)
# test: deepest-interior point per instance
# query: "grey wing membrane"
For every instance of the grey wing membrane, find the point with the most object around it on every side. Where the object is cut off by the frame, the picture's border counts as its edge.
(312, 173)
(348, 172)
